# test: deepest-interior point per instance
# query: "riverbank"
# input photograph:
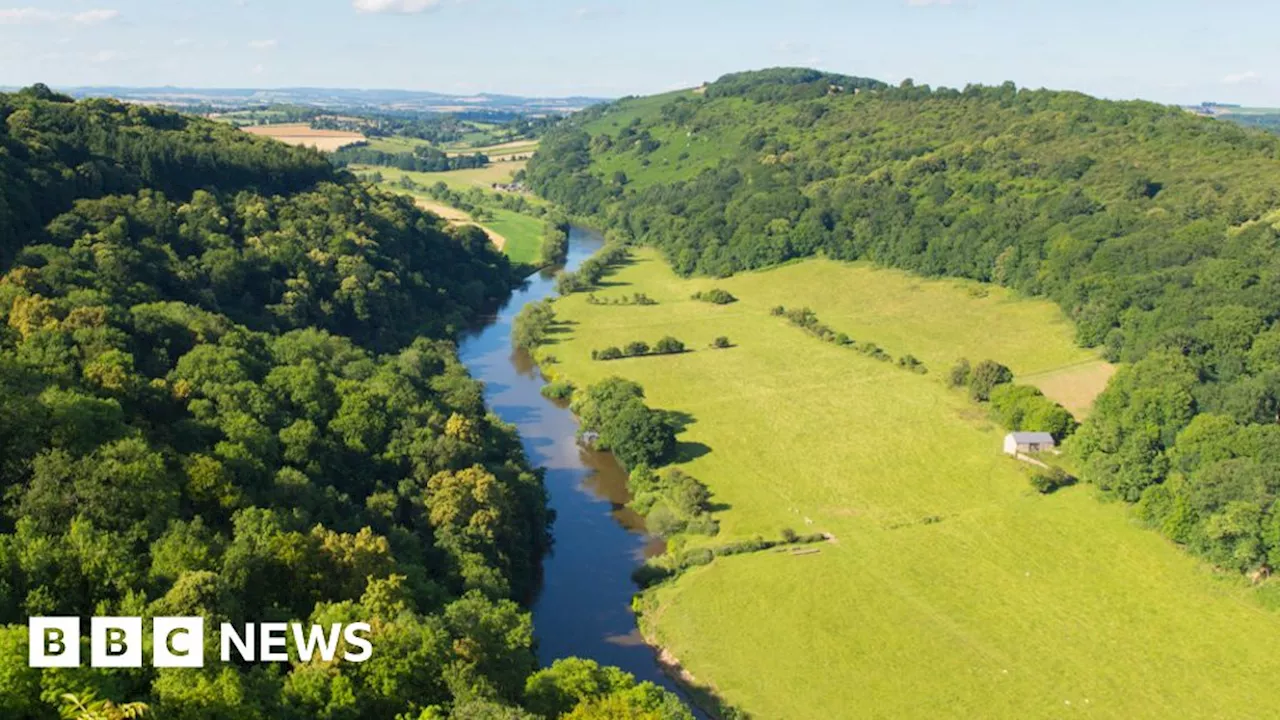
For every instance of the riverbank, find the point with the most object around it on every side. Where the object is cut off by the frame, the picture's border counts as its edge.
(583, 608)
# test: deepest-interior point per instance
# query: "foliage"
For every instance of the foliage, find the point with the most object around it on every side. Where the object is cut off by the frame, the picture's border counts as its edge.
(243, 402)
(639, 348)
(986, 376)
(614, 409)
(715, 296)
(1154, 229)
(1022, 407)
(423, 158)
(532, 325)
(671, 500)
(1048, 480)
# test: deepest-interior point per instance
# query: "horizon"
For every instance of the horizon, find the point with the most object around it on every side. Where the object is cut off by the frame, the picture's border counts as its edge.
(1190, 53)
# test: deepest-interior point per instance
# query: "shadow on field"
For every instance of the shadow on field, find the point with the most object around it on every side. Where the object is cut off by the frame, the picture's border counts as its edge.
(679, 419)
(690, 451)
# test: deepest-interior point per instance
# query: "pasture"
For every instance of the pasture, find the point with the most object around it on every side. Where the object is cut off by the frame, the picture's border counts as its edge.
(951, 589)
(461, 180)
(302, 134)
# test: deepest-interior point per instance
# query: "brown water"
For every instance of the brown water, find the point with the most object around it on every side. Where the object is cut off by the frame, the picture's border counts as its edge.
(583, 608)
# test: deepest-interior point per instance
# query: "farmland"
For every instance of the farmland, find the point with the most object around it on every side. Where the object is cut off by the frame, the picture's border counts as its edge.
(461, 180)
(303, 134)
(950, 589)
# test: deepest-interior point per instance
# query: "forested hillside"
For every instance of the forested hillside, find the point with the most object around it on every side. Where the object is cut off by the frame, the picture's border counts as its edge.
(1155, 230)
(228, 389)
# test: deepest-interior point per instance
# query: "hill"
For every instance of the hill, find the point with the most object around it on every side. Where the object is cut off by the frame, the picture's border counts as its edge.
(949, 587)
(228, 389)
(1154, 230)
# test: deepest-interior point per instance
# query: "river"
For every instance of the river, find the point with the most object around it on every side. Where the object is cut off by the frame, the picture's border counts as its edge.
(584, 606)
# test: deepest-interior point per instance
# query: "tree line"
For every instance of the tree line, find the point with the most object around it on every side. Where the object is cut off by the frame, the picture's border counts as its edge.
(1153, 229)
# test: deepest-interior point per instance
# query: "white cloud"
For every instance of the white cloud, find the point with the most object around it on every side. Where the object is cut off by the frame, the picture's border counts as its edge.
(103, 56)
(183, 42)
(1237, 78)
(264, 44)
(93, 17)
(257, 69)
(927, 3)
(20, 16)
(31, 16)
(394, 6)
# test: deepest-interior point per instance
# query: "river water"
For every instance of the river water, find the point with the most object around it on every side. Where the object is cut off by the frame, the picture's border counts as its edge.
(584, 605)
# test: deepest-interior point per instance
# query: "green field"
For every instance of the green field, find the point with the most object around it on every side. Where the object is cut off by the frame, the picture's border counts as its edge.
(522, 232)
(457, 179)
(951, 589)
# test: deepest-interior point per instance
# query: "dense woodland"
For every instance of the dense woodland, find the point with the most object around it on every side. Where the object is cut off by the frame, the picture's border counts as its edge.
(424, 158)
(1154, 229)
(228, 388)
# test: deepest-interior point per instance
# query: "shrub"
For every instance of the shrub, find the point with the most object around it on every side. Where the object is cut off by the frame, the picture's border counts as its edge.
(959, 375)
(668, 346)
(532, 325)
(777, 310)
(609, 353)
(635, 348)
(721, 343)
(696, 556)
(1047, 480)
(662, 522)
(789, 535)
(715, 296)
(985, 377)
(912, 363)
(558, 390)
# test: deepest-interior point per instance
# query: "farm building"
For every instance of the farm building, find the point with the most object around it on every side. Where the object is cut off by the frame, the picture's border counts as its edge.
(1025, 442)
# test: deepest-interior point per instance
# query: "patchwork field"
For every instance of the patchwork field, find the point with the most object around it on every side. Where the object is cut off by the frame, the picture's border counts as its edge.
(951, 589)
(302, 134)
(518, 236)
(462, 180)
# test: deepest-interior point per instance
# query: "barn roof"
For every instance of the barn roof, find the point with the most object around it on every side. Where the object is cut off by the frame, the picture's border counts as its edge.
(1031, 437)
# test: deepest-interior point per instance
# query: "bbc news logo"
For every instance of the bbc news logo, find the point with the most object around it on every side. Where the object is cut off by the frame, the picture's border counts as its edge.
(178, 642)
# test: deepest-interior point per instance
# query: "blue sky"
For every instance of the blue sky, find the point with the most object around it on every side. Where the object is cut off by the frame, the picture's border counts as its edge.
(1168, 50)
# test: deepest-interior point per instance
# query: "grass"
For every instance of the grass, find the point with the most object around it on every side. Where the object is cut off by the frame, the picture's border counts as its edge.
(523, 234)
(952, 589)
(457, 179)
(519, 236)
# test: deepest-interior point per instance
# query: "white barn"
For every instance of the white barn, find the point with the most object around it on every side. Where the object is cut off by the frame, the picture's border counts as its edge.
(1028, 442)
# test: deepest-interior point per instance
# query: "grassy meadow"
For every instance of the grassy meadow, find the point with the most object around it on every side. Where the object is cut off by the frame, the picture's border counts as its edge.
(461, 180)
(951, 589)
(518, 236)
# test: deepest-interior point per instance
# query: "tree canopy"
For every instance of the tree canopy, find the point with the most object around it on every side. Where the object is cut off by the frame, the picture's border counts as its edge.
(1154, 229)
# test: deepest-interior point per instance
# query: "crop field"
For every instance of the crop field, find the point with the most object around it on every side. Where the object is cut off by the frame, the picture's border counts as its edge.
(501, 151)
(950, 588)
(302, 134)
(462, 180)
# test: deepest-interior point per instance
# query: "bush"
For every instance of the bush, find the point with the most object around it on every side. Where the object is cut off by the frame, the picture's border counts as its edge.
(715, 296)
(558, 390)
(721, 343)
(635, 348)
(668, 346)
(912, 363)
(532, 325)
(662, 522)
(959, 375)
(1047, 480)
(985, 377)
(696, 556)
(609, 353)
(1022, 407)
